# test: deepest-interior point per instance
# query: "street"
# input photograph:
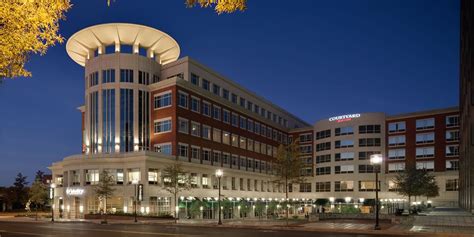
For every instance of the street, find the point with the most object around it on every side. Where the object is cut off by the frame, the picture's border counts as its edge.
(11, 229)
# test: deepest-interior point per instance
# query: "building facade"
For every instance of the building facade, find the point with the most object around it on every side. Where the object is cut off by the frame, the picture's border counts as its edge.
(145, 108)
(466, 106)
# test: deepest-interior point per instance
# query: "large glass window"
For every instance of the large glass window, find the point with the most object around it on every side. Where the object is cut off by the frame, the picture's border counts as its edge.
(323, 146)
(126, 120)
(206, 85)
(162, 100)
(183, 99)
(344, 143)
(195, 129)
(143, 120)
(427, 165)
(108, 120)
(164, 148)
(452, 121)
(452, 185)
(344, 131)
(396, 167)
(424, 152)
(344, 186)
(183, 150)
(225, 116)
(183, 125)
(365, 129)
(206, 132)
(195, 103)
(93, 79)
(133, 175)
(425, 123)
(344, 169)
(143, 78)
(108, 76)
(452, 150)
(163, 126)
(396, 154)
(452, 135)
(367, 186)
(396, 127)
(344, 156)
(323, 187)
(452, 165)
(323, 158)
(216, 112)
(425, 138)
(206, 108)
(195, 79)
(369, 142)
(323, 134)
(92, 177)
(94, 121)
(396, 140)
(126, 75)
(323, 170)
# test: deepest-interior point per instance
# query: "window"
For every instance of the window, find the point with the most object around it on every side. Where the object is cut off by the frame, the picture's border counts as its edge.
(163, 126)
(452, 150)
(365, 155)
(225, 116)
(143, 78)
(216, 90)
(344, 186)
(369, 142)
(344, 169)
(162, 100)
(396, 140)
(250, 126)
(323, 187)
(183, 99)
(216, 157)
(306, 149)
(249, 105)
(206, 155)
(235, 120)
(155, 79)
(396, 127)
(92, 177)
(344, 131)
(234, 98)
(206, 85)
(195, 129)
(126, 75)
(305, 187)
(323, 134)
(344, 156)
(452, 165)
(344, 143)
(392, 186)
(306, 137)
(183, 125)
(250, 144)
(243, 122)
(427, 165)
(396, 154)
(133, 175)
(256, 146)
(225, 158)
(206, 132)
(164, 148)
(323, 146)
(422, 138)
(206, 108)
(396, 167)
(94, 79)
(323, 170)
(243, 142)
(205, 181)
(195, 79)
(422, 152)
(452, 185)
(225, 94)
(226, 138)
(365, 129)
(256, 109)
(235, 140)
(425, 123)
(363, 169)
(242, 102)
(216, 135)
(195, 153)
(108, 76)
(368, 186)
(452, 121)
(183, 150)
(195, 104)
(216, 112)
(452, 135)
(323, 158)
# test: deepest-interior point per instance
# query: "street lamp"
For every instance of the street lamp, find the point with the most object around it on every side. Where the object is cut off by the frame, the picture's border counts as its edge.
(135, 183)
(51, 196)
(219, 175)
(376, 160)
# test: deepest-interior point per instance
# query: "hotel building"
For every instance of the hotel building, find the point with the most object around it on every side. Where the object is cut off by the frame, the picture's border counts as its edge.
(145, 108)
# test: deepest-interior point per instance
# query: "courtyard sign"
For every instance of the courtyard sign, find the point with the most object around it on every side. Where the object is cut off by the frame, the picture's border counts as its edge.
(344, 118)
(74, 191)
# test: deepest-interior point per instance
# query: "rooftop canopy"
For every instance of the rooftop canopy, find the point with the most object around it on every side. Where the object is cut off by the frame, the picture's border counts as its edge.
(93, 40)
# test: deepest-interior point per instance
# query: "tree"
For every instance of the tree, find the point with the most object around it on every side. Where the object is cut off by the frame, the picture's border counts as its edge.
(220, 6)
(20, 191)
(176, 180)
(287, 167)
(27, 27)
(416, 182)
(38, 195)
(104, 190)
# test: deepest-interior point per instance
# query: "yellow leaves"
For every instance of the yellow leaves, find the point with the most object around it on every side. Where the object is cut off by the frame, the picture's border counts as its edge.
(221, 6)
(26, 27)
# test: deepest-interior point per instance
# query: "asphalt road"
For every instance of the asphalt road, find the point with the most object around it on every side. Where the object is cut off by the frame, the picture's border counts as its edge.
(13, 229)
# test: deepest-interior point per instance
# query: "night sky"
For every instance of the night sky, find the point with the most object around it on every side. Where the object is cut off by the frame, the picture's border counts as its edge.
(314, 58)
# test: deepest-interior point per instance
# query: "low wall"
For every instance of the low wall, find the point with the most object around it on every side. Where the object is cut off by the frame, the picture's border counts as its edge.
(354, 216)
(123, 217)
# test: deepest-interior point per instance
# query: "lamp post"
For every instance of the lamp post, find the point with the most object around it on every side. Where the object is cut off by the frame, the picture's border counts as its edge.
(51, 196)
(219, 175)
(376, 160)
(135, 183)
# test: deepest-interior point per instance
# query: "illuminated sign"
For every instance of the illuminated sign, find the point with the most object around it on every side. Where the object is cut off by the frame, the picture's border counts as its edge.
(140, 192)
(344, 118)
(74, 191)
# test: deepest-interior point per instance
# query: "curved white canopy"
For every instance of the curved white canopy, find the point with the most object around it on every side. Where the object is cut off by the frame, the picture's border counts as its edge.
(82, 43)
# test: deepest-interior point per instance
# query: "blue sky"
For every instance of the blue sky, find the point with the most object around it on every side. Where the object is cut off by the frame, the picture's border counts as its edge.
(315, 58)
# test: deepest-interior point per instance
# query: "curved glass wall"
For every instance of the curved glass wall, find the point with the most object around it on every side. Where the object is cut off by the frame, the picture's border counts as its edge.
(94, 121)
(143, 120)
(108, 121)
(126, 120)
